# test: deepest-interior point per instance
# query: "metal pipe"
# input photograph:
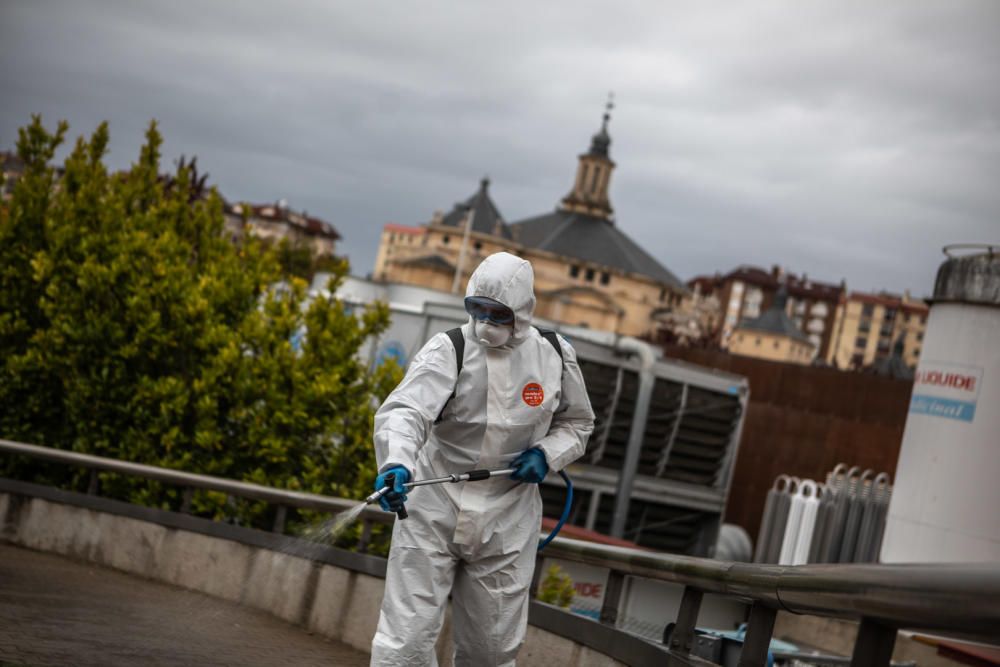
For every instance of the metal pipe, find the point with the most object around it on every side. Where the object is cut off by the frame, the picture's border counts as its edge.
(457, 281)
(626, 476)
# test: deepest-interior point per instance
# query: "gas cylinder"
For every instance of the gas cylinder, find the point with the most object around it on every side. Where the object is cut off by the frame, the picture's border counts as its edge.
(945, 505)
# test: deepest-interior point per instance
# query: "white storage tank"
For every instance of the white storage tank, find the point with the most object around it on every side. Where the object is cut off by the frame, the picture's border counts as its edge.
(945, 505)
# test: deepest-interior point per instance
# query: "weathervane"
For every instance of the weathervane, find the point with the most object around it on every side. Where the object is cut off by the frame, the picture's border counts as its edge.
(607, 109)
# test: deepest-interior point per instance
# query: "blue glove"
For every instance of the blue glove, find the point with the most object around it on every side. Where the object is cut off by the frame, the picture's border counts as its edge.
(530, 466)
(394, 499)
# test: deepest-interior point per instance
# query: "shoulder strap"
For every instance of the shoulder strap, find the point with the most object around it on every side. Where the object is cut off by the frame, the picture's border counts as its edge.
(458, 341)
(550, 335)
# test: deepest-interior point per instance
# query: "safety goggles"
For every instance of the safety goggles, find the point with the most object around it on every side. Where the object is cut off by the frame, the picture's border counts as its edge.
(486, 309)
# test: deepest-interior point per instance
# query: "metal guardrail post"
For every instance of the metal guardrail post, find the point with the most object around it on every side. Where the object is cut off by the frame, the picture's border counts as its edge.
(279, 519)
(94, 486)
(873, 647)
(536, 577)
(186, 497)
(682, 638)
(612, 597)
(758, 637)
(366, 536)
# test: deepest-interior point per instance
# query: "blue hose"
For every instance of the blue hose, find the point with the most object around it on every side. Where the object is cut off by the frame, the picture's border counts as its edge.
(565, 513)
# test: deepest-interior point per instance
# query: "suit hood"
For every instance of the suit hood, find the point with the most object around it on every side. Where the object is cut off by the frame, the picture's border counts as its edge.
(510, 280)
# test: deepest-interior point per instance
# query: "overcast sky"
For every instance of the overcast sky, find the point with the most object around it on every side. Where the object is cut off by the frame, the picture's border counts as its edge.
(842, 139)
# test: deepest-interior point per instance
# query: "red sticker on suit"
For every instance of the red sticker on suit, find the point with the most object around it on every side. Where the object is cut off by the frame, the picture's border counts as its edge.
(533, 394)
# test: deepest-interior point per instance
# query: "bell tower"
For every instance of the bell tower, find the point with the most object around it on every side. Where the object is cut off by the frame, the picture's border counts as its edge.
(593, 175)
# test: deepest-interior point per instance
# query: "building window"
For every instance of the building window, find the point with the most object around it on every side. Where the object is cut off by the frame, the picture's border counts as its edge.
(593, 180)
(867, 310)
(574, 271)
(605, 277)
(663, 293)
(920, 335)
(757, 342)
(589, 276)
(446, 239)
(478, 246)
(776, 345)
(861, 343)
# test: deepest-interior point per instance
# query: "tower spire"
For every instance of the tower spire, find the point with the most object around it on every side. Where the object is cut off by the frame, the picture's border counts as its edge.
(601, 141)
(608, 106)
(593, 175)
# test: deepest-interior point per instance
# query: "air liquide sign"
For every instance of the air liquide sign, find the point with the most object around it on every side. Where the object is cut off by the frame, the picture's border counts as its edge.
(946, 390)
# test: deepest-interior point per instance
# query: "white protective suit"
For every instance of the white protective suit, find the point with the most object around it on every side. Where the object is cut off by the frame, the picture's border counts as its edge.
(475, 540)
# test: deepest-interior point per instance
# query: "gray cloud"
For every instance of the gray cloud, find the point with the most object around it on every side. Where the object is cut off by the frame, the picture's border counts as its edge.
(844, 139)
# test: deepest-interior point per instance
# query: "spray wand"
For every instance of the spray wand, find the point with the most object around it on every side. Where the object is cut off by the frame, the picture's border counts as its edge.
(474, 476)
(471, 476)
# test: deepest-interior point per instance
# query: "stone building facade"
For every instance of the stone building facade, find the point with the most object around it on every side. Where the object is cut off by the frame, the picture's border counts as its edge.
(773, 335)
(588, 272)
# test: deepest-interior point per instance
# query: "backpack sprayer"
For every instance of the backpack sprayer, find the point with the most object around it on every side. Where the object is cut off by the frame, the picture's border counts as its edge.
(475, 476)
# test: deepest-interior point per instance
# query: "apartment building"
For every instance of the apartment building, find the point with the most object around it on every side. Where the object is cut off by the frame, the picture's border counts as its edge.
(746, 292)
(869, 325)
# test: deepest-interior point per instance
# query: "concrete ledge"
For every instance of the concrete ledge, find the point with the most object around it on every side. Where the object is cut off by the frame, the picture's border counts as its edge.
(329, 599)
(372, 565)
(593, 636)
(282, 584)
(332, 592)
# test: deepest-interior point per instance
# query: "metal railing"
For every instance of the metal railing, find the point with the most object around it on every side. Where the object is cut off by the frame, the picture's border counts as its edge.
(956, 599)
(282, 499)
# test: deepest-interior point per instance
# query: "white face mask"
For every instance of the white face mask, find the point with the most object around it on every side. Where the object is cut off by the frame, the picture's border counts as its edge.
(492, 335)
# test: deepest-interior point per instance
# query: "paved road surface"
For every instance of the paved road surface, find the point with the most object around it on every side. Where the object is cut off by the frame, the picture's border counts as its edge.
(56, 611)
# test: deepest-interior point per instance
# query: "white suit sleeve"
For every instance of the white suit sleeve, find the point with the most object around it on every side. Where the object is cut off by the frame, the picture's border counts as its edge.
(403, 422)
(573, 421)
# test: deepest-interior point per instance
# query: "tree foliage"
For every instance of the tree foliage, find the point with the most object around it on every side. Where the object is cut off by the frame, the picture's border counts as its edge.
(296, 258)
(556, 588)
(131, 328)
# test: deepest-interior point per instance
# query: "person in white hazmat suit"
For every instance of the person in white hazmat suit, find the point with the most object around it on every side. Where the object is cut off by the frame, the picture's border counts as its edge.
(514, 404)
